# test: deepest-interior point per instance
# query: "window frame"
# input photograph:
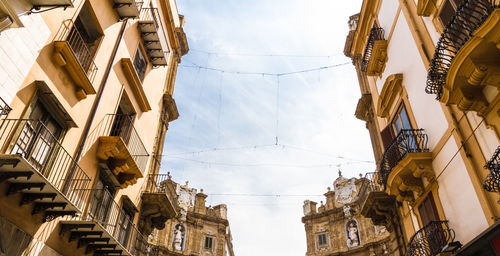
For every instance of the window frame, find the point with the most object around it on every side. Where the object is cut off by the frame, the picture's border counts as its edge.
(212, 242)
(142, 53)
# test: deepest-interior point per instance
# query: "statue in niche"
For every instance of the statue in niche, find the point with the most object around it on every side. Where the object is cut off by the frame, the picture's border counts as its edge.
(179, 237)
(352, 233)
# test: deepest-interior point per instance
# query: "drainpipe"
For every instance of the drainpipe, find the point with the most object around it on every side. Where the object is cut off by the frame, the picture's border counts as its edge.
(100, 91)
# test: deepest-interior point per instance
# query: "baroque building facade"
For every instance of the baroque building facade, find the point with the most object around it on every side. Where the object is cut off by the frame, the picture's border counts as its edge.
(197, 230)
(338, 228)
(85, 109)
(429, 81)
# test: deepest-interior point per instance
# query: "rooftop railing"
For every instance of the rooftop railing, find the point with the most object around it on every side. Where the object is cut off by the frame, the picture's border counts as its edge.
(105, 211)
(37, 144)
(468, 17)
(375, 34)
(407, 141)
(69, 33)
(492, 182)
(431, 239)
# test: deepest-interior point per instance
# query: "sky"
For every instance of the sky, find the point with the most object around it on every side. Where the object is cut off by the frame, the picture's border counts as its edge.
(262, 143)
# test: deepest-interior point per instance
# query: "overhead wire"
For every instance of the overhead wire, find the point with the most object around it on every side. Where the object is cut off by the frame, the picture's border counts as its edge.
(262, 55)
(263, 73)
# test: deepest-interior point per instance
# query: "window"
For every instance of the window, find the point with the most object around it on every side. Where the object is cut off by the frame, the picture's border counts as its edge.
(448, 10)
(102, 199)
(140, 64)
(208, 243)
(38, 136)
(123, 120)
(401, 120)
(84, 37)
(125, 225)
(322, 239)
(428, 210)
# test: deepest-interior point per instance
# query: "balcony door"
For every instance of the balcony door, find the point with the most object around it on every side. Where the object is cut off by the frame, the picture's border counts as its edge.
(102, 202)
(123, 121)
(85, 37)
(434, 233)
(37, 138)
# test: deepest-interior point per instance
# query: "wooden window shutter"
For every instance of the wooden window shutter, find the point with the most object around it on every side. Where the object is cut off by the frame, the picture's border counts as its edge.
(428, 210)
(387, 135)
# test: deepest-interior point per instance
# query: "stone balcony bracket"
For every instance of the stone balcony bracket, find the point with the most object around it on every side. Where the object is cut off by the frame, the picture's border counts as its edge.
(408, 178)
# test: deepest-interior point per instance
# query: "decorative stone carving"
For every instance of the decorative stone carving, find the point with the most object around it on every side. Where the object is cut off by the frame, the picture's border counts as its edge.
(352, 233)
(378, 59)
(392, 87)
(179, 237)
(345, 191)
(185, 198)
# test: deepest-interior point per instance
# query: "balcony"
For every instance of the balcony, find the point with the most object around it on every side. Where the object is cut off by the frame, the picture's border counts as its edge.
(375, 55)
(127, 9)
(465, 69)
(121, 149)
(433, 239)
(492, 182)
(153, 36)
(105, 228)
(405, 162)
(10, 10)
(159, 203)
(375, 203)
(4, 108)
(72, 53)
(35, 164)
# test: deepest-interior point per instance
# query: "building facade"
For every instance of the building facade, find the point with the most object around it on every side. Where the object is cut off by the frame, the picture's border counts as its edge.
(197, 230)
(429, 80)
(338, 228)
(79, 173)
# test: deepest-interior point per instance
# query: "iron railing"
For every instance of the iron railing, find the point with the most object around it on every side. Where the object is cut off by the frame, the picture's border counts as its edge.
(105, 211)
(468, 18)
(42, 149)
(152, 15)
(375, 34)
(159, 183)
(431, 239)
(492, 182)
(407, 141)
(371, 183)
(4, 108)
(69, 33)
(123, 126)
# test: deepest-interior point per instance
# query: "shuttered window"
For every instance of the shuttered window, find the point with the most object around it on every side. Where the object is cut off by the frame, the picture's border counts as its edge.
(428, 211)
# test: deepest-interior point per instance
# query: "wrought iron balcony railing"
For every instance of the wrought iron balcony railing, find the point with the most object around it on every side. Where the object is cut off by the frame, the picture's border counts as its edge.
(69, 33)
(375, 34)
(37, 145)
(431, 239)
(122, 126)
(371, 183)
(105, 211)
(4, 108)
(469, 17)
(492, 182)
(157, 183)
(407, 141)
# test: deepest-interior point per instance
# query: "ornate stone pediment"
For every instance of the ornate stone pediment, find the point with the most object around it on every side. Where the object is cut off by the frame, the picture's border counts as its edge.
(392, 87)
(426, 7)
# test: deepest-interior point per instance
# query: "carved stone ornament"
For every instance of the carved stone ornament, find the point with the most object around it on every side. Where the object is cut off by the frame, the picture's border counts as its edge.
(352, 233)
(185, 198)
(345, 191)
